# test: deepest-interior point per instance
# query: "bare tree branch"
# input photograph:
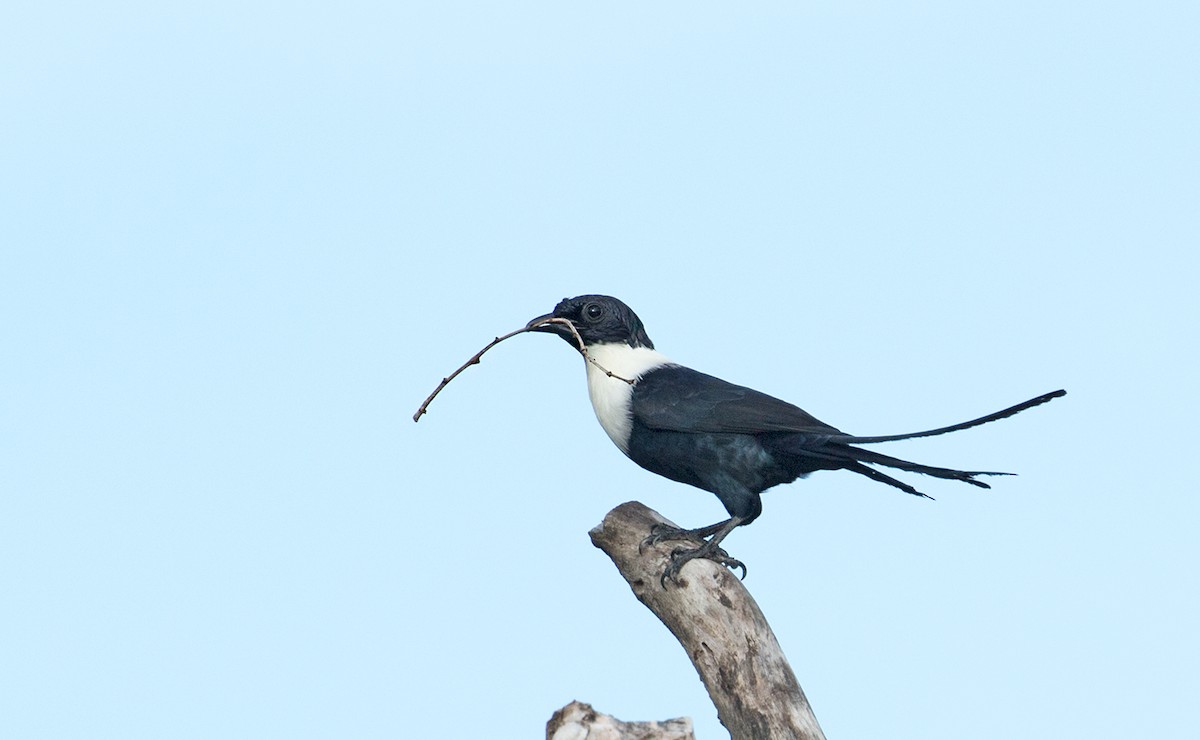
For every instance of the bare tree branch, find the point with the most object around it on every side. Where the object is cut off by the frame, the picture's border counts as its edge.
(720, 627)
(578, 720)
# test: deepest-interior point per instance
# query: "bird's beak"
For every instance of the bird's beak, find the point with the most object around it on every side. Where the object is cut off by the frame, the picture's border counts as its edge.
(558, 328)
(537, 325)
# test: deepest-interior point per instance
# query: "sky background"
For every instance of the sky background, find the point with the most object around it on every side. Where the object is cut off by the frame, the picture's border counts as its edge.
(240, 243)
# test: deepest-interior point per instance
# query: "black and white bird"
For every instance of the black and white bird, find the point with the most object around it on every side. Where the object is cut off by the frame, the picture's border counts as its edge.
(729, 440)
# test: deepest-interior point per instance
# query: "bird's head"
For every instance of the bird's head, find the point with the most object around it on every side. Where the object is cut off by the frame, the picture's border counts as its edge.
(599, 319)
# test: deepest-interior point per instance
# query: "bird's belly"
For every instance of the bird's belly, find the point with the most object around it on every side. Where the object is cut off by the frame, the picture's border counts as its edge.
(719, 463)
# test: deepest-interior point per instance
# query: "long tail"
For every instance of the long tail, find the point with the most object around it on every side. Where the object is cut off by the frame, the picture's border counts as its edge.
(832, 452)
(1010, 411)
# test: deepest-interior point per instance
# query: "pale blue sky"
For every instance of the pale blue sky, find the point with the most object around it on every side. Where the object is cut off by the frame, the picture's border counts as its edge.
(240, 242)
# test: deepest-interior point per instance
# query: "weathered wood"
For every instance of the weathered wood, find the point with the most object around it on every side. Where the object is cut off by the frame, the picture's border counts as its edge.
(577, 721)
(723, 631)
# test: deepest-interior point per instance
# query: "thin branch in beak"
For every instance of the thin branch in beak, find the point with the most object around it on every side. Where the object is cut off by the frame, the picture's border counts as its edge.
(529, 327)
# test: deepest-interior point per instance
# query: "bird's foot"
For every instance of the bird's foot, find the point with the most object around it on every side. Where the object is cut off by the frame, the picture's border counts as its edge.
(708, 551)
(680, 556)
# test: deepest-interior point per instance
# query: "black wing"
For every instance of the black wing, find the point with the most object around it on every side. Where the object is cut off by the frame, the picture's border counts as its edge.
(681, 399)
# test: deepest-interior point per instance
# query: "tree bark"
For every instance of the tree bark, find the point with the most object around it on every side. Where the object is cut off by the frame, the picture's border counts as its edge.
(723, 631)
(578, 721)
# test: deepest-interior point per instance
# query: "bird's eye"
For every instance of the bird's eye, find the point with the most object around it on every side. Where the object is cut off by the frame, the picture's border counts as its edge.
(593, 311)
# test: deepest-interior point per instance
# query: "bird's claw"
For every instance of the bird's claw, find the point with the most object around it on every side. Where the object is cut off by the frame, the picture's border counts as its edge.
(681, 556)
(707, 549)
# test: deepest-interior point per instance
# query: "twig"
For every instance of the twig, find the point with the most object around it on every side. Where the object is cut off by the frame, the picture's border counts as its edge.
(479, 355)
(473, 361)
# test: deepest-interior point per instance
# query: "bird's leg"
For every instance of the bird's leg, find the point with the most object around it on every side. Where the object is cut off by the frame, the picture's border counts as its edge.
(710, 549)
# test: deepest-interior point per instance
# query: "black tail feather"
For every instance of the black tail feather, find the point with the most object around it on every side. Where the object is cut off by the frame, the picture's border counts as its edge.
(875, 475)
(966, 476)
(953, 427)
(838, 456)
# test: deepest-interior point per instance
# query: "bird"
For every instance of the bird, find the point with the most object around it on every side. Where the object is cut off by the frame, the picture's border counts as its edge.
(730, 440)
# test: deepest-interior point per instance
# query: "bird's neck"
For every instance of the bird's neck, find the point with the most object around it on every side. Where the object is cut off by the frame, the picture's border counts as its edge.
(612, 395)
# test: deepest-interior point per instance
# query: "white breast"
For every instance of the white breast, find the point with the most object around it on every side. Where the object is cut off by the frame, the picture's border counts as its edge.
(612, 398)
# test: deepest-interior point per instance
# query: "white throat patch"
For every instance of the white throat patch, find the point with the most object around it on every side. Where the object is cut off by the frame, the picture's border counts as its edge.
(612, 398)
